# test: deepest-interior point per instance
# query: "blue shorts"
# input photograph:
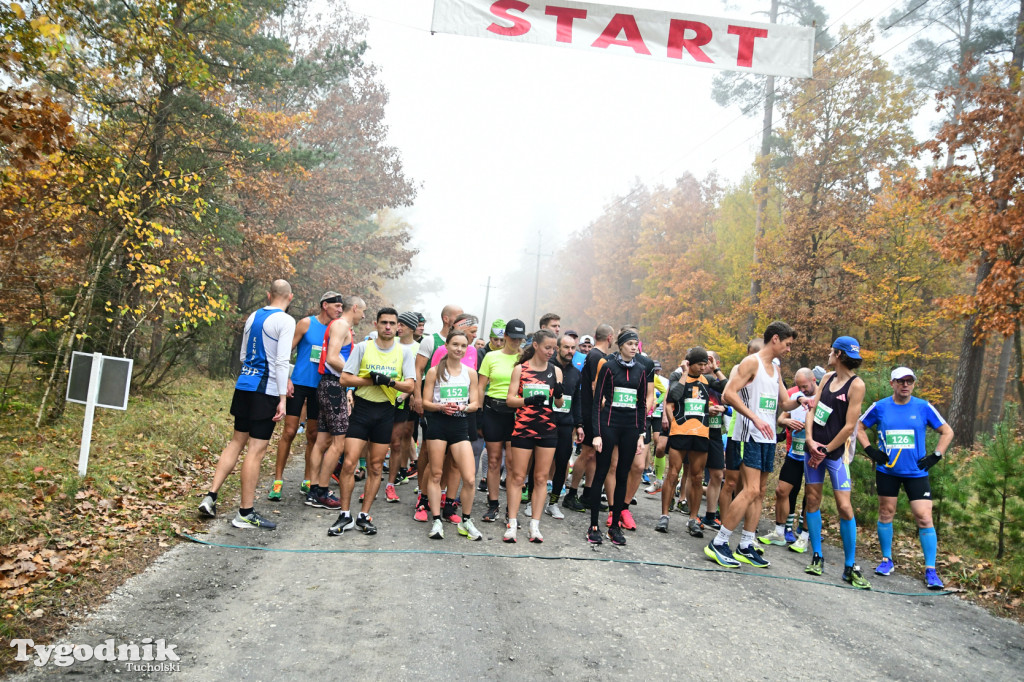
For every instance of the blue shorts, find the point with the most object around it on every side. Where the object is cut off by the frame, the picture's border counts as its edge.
(760, 456)
(838, 474)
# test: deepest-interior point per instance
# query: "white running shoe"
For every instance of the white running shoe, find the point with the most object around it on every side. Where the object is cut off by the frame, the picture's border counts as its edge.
(535, 535)
(801, 544)
(554, 511)
(654, 488)
(773, 538)
(467, 528)
(436, 530)
(529, 510)
(510, 534)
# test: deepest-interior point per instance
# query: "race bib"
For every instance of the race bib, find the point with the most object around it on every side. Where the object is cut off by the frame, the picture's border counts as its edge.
(657, 412)
(767, 402)
(566, 406)
(453, 393)
(537, 389)
(898, 439)
(798, 446)
(623, 397)
(694, 407)
(821, 414)
(314, 354)
(715, 421)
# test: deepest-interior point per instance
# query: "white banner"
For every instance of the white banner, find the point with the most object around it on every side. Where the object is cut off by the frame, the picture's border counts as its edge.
(711, 42)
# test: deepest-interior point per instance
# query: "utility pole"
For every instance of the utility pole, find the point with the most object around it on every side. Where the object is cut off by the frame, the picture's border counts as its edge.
(483, 320)
(536, 279)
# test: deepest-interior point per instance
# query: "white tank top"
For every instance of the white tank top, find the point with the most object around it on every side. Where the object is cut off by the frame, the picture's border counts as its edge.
(761, 396)
(454, 390)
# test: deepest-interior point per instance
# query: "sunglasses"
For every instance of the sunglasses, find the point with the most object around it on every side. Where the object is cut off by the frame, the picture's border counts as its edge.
(905, 382)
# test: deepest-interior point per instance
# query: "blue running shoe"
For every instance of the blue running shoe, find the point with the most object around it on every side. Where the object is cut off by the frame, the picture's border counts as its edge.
(932, 579)
(886, 567)
(790, 536)
(721, 555)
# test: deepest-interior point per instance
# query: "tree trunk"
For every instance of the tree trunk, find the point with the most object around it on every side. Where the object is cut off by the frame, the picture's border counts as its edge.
(1019, 374)
(964, 405)
(995, 412)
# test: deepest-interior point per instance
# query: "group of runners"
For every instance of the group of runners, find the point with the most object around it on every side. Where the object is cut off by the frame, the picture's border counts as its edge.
(561, 420)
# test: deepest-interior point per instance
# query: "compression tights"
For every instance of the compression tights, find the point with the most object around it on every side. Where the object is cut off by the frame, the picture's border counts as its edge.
(624, 438)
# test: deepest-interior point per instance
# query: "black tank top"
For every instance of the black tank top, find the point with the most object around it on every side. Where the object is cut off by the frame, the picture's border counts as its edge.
(830, 415)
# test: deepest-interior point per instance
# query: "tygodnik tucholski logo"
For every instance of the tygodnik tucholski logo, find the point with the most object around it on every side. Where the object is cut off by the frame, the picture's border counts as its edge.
(149, 655)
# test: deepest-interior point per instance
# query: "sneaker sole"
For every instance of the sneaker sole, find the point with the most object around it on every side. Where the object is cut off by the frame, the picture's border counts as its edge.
(467, 535)
(858, 587)
(205, 512)
(331, 532)
(250, 526)
(394, 501)
(436, 536)
(537, 540)
(809, 571)
(746, 560)
(593, 542)
(713, 555)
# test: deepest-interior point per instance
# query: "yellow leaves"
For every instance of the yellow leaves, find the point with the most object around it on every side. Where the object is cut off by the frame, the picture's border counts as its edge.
(18, 11)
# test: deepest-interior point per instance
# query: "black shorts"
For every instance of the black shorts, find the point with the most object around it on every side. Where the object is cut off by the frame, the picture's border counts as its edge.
(716, 451)
(649, 431)
(497, 426)
(733, 455)
(447, 428)
(917, 488)
(372, 421)
(333, 406)
(524, 443)
(303, 395)
(254, 413)
(404, 412)
(792, 472)
(688, 443)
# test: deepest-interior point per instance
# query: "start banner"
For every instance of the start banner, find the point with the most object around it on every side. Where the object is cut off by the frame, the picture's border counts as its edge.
(712, 42)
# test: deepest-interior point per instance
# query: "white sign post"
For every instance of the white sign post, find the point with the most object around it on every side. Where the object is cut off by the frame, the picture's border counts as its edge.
(97, 380)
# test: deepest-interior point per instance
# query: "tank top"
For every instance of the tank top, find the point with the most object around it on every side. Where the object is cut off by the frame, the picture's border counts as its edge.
(455, 389)
(307, 354)
(690, 413)
(258, 367)
(761, 396)
(386, 362)
(536, 421)
(346, 350)
(830, 414)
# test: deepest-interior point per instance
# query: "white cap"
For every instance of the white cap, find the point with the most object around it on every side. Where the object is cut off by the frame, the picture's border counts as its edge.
(901, 372)
(587, 339)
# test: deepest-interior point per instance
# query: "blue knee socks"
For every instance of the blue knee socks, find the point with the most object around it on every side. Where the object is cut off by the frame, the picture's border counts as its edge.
(929, 543)
(848, 531)
(813, 521)
(885, 538)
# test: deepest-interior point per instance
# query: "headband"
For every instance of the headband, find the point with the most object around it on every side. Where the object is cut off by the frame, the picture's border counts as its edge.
(628, 335)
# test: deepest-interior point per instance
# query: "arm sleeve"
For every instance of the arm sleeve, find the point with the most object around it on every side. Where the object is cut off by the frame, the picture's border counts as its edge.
(285, 333)
(355, 359)
(675, 391)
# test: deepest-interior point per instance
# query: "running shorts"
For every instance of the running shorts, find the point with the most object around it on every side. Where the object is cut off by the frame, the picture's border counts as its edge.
(303, 395)
(918, 487)
(447, 428)
(372, 421)
(792, 472)
(760, 456)
(254, 413)
(688, 443)
(838, 474)
(525, 443)
(333, 406)
(716, 452)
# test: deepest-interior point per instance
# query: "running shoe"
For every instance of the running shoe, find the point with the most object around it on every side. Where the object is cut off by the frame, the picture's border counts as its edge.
(632, 502)
(712, 522)
(343, 523)
(750, 555)
(773, 538)
(421, 514)
(594, 536)
(501, 483)
(627, 521)
(491, 515)
(608, 523)
(790, 536)
(253, 520)
(310, 500)
(411, 471)
(682, 507)
(360, 473)
(886, 567)
(529, 510)
(436, 530)
(390, 495)
(510, 532)
(336, 474)
(654, 488)
(693, 527)
(575, 504)
(817, 566)
(616, 536)
(554, 511)
(401, 476)
(275, 491)
(550, 487)
(208, 507)
(646, 476)
(450, 512)
(662, 526)
(932, 579)
(524, 496)
(482, 485)
(851, 574)
(721, 555)
(365, 524)
(535, 535)
(304, 487)
(467, 529)
(326, 501)
(801, 544)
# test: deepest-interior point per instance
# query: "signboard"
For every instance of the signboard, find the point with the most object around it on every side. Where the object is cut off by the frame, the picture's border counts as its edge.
(695, 40)
(97, 380)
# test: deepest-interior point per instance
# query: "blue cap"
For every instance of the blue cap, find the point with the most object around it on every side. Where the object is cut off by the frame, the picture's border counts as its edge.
(848, 345)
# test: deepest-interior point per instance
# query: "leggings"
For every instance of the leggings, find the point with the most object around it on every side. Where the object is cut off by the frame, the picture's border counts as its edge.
(624, 438)
(563, 451)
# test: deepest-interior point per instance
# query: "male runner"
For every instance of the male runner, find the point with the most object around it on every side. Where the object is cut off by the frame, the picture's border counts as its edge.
(716, 445)
(902, 460)
(333, 402)
(379, 370)
(755, 391)
(569, 418)
(551, 322)
(261, 394)
(405, 413)
(586, 344)
(830, 427)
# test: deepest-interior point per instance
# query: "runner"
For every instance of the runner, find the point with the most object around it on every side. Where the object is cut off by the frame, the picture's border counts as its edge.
(551, 322)
(569, 419)
(586, 344)
(901, 460)
(498, 418)
(755, 393)
(623, 397)
(534, 388)
(716, 444)
(830, 427)
(495, 342)
(654, 435)
(379, 370)
(333, 403)
(586, 462)
(306, 344)
(406, 410)
(261, 394)
(450, 392)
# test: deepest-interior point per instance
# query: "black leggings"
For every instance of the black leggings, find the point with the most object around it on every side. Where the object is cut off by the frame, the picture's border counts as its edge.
(623, 438)
(563, 451)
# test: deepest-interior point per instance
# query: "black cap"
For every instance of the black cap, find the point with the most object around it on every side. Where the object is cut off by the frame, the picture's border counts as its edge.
(515, 329)
(573, 334)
